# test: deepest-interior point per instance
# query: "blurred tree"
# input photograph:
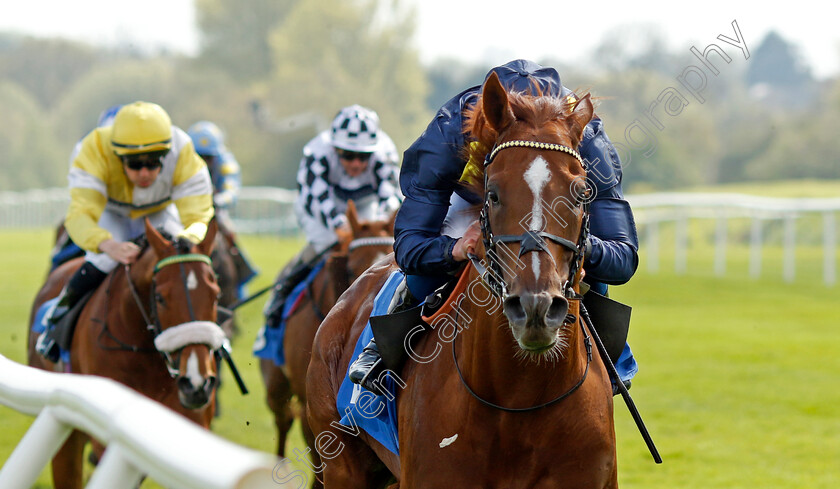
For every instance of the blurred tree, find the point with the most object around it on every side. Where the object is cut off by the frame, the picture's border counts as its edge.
(28, 155)
(46, 66)
(234, 34)
(777, 63)
(332, 53)
(449, 77)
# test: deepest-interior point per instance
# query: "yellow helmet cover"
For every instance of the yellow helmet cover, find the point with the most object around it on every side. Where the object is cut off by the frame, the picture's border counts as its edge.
(141, 127)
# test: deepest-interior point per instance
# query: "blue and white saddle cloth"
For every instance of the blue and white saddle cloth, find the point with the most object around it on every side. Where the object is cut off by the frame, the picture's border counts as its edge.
(360, 408)
(269, 342)
(39, 325)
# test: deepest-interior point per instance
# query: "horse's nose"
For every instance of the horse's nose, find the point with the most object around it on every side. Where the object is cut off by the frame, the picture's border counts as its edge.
(541, 309)
(195, 396)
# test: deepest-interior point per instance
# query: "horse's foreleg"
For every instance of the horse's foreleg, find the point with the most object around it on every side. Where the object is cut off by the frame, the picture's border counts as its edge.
(67, 468)
(278, 397)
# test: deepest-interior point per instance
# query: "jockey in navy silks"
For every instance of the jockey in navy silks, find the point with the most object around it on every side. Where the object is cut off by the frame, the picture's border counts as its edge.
(432, 237)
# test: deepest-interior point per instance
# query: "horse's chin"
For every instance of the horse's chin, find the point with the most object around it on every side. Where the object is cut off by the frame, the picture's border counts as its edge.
(543, 347)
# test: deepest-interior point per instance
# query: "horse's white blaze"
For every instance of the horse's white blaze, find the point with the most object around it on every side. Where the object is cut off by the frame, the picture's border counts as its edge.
(536, 177)
(192, 282)
(193, 372)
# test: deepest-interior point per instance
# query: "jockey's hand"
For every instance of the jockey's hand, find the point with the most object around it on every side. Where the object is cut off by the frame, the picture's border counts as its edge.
(123, 252)
(466, 243)
(344, 233)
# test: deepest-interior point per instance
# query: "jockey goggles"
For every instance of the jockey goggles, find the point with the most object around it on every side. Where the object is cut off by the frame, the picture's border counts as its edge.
(352, 155)
(152, 160)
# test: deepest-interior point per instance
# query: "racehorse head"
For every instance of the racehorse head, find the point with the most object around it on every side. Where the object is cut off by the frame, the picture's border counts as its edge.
(183, 312)
(372, 240)
(535, 207)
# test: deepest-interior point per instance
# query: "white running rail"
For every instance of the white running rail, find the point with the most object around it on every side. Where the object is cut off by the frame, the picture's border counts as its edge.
(142, 436)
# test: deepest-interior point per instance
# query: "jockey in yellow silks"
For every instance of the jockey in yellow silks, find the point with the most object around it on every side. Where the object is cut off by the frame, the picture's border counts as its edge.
(140, 167)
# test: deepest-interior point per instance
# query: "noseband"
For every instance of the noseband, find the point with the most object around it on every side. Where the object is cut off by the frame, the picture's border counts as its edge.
(531, 240)
(176, 337)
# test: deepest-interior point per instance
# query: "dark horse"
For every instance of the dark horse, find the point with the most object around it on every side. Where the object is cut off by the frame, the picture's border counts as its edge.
(151, 326)
(504, 391)
(372, 240)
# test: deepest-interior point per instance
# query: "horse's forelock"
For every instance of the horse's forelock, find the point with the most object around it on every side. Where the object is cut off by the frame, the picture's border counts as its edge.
(533, 110)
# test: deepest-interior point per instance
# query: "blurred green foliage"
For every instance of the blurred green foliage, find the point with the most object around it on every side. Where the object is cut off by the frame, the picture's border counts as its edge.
(264, 62)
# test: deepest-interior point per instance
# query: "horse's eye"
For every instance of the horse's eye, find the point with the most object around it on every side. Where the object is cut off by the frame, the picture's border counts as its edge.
(493, 197)
(159, 299)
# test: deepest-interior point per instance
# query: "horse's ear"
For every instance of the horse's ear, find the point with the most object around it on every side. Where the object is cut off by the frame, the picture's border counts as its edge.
(353, 217)
(209, 241)
(156, 240)
(580, 117)
(494, 99)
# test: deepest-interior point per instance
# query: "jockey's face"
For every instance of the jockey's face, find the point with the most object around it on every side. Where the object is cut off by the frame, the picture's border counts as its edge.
(354, 163)
(143, 169)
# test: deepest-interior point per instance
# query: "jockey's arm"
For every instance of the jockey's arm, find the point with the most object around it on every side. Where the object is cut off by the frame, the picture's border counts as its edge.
(430, 172)
(612, 251)
(192, 193)
(229, 182)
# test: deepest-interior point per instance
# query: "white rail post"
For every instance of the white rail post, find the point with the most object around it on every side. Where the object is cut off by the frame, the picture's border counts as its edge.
(789, 260)
(653, 245)
(829, 248)
(33, 453)
(114, 470)
(681, 244)
(720, 245)
(755, 247)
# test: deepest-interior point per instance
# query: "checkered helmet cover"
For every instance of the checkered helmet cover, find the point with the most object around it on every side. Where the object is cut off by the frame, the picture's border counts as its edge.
(356, 128)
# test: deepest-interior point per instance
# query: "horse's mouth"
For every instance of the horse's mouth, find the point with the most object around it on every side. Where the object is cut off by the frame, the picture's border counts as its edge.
(537, 349)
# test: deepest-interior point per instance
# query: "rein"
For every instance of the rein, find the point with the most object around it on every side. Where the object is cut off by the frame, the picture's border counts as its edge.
(587, 343)
(169, 340)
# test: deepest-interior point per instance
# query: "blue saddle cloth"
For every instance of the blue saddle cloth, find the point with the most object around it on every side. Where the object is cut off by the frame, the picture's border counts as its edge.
(377, 415)
(39, 325)
(269, 342)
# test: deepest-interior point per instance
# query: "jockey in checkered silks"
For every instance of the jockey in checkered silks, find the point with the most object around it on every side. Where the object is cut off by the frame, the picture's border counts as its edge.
(353, 160)
(433, 235)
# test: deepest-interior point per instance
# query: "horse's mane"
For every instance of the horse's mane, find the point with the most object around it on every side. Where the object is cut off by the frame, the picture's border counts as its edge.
(532, 109)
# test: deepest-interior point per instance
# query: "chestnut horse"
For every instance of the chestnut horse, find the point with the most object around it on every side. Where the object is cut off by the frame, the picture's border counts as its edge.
(372, 239)
(151, 326)
(505, 391)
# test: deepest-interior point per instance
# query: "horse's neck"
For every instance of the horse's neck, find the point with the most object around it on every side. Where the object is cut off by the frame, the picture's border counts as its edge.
(491, 361)
(123, 300)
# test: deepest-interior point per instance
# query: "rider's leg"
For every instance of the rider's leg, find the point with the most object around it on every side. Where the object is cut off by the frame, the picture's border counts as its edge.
(367, 367)
(86, 279)
(626, 366)
(292, 274)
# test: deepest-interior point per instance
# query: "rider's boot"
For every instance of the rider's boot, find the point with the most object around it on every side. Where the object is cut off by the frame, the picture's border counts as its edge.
(86, 279)
(367, 368)
(290, 277)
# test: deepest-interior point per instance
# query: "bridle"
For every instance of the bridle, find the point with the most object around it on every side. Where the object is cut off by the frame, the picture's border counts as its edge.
(344, 275)
(169, 340)
(531, 240)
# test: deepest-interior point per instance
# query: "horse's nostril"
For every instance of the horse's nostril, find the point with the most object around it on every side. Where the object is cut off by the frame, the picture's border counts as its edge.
(514, 310)
(184, 384)
(558, 309)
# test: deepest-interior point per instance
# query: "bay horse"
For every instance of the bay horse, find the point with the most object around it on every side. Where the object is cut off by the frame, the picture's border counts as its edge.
(504, 392)
(151, 326)
(371, 240)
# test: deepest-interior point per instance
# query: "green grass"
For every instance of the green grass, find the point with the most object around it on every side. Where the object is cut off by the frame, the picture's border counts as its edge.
(738, 378)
